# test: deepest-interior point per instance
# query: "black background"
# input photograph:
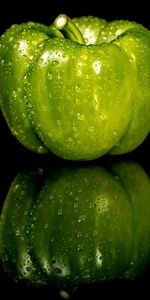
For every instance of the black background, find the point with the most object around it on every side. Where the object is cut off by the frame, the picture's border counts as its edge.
(14, 157)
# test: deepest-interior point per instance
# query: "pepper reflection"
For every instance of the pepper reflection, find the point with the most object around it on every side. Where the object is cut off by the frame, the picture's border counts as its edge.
(77, 225)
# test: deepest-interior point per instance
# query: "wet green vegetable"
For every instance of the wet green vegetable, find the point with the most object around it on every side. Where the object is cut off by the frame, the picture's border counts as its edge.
(79, 88)
(77, 225)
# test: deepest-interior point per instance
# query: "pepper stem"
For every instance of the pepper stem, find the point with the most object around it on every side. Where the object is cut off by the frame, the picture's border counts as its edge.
(68, 28)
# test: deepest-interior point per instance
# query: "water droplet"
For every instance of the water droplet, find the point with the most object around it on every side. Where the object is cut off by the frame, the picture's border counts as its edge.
(40, 149)
(90, 259)
(59, 212)
(116, 197)
(76, 135)
(58, 270)
(80, 116)
(46, 226)
(103, 116)
(96, 67)
(74, 128)
(70, 139)
(77, 101)
(64, 294)
(53, 260)
(11, 39)
(79, 247)
(115, 133)
(75, 204)
(81, 218)
(16, 186)
(44, 108)
(92, 205)
(99, 258)
(77, 87)
(87, 76)
(70, 193)
(14, 93)
(86, 276)
(23, 115)
(49, 75)
(91, 128)
(55, 62)
(58, 122)
(79, 235)
(17, 232)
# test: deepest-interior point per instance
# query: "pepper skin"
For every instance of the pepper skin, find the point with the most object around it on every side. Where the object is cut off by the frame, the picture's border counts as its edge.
(77, 225)
(79, 88)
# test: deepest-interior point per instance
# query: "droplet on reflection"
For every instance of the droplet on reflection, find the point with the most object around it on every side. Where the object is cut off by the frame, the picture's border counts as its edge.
(64, 294)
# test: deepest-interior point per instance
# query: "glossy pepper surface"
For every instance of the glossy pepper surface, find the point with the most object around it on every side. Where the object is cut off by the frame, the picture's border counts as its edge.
(77, 225)
(79, 88)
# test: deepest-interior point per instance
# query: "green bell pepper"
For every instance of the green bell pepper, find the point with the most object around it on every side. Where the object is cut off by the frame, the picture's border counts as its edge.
(77, 225)
(79, 88)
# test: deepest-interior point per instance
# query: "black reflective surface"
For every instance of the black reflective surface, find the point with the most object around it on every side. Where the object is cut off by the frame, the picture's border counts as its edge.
(14, 157)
